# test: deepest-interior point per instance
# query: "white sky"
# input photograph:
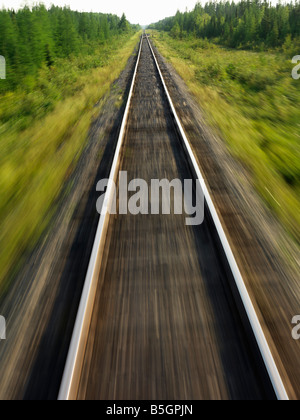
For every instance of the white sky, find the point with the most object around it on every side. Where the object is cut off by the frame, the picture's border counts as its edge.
(137, 11)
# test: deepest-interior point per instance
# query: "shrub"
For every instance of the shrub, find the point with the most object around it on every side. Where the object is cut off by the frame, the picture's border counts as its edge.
(232, 71)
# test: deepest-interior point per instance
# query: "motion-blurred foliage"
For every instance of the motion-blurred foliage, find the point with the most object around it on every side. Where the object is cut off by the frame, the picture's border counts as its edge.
(252, 99)
(47, 104)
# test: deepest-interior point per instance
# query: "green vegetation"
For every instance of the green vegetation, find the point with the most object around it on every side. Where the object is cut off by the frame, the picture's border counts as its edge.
(37, 37)
(251, 98)
(46, 112)
(246, 24)
(248, 94)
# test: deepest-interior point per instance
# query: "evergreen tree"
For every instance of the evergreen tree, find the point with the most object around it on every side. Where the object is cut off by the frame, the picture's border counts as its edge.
(175, 32)
(248, 23)
(123, 25)
(31, 38)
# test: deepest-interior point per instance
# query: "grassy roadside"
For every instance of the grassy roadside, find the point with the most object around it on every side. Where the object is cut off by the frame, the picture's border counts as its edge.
(252, 100)
(40, 147)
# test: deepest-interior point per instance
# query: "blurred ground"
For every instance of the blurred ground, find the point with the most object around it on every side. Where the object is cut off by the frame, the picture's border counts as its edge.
(41, 305)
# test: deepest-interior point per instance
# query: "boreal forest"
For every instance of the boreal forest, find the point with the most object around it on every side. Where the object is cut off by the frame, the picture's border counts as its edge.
(243, 24)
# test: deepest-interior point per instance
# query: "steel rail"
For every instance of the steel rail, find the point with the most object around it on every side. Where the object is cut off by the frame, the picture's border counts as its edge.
(261, 340)
(73, 367)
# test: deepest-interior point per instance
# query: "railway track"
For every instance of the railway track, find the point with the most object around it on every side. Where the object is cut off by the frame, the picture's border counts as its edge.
(164, 312)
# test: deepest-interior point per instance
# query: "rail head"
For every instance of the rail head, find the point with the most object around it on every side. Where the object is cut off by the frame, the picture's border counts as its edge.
(71, 376)
(259, 335)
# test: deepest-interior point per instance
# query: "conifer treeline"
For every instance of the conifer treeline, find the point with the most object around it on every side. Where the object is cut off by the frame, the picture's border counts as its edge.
(246, 23)
(31, 37)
